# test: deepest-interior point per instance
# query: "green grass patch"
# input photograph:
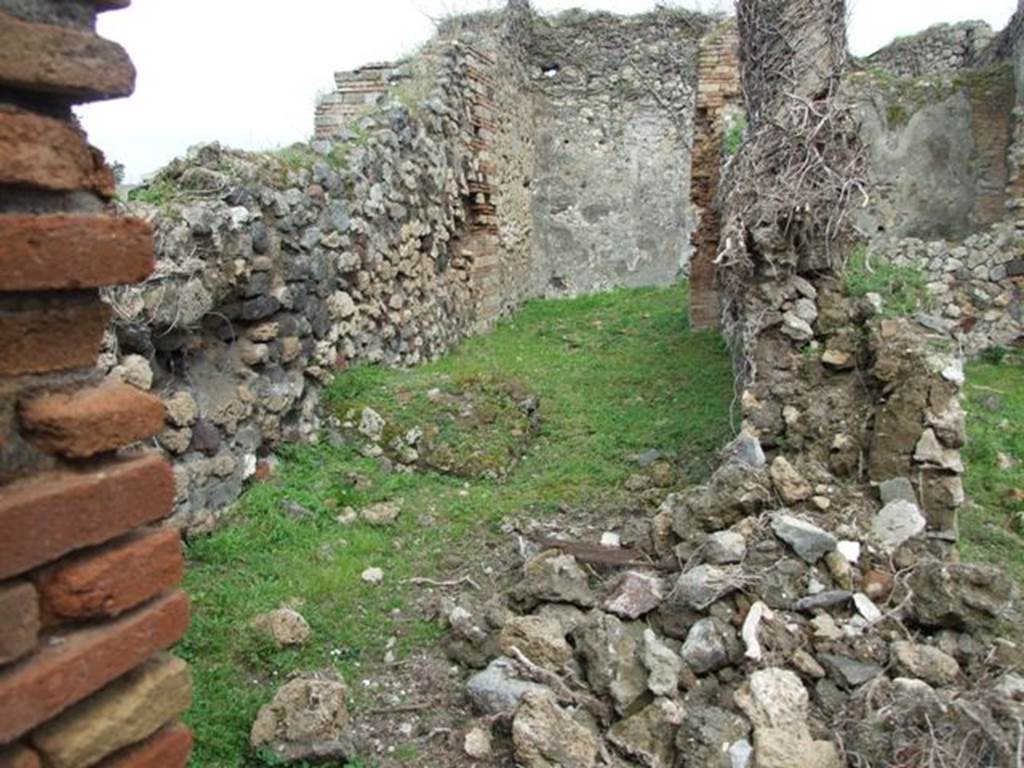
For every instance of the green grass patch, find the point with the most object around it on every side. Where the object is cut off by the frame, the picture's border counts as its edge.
(615, 374)
(992, 523)
(734, 135)
(904, 289)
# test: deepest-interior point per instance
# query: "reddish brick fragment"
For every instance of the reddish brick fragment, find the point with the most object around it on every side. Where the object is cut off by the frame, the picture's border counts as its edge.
(54, 513)
(108, 581)
(61, 252)
(51, 337)
(91, 421)
(75, 63)
(48, 153)
(83, 661)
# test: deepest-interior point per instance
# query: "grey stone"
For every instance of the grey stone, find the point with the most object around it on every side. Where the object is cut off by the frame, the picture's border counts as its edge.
(383, 513)
(497, 689)
(284, 626)
(709, 646)
(897, 489)
(809, 541)
(745, 449)
(789, 483)
(663, 664)
(725, 547)
(896, 523)
(371, 424)
(612, 651)
(821, 600)
(847, 671)
(707, 735)
(701, 586)
(555, 578)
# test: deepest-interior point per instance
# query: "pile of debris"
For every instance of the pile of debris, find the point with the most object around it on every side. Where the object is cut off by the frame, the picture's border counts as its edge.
(786, 634)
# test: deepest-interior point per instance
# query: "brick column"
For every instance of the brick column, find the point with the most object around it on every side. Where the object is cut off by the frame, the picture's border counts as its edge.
(718, 90)
(89, 602)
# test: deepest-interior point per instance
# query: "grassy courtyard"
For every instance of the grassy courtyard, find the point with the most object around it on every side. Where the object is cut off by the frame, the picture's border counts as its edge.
(615, 375)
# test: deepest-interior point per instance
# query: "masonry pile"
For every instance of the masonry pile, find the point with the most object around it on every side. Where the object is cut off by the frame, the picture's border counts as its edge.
(88, 597)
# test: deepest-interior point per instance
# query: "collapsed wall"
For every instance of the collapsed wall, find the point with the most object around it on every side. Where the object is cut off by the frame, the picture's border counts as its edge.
(89, 602)
(513, 157)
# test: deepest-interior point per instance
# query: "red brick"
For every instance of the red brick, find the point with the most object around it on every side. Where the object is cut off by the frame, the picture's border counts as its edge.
(48, 336)
(52, 154)
(167, 748)
(60, 252)
(91, 421)
(19, 620)
(19, 757)
(109, 581)
(51, 514)
(63, 60)
(81, 662)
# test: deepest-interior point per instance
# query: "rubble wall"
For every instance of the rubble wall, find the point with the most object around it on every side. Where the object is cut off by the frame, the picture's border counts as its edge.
(938, 49)
(385, 243)
(89, 598)
(614, 129)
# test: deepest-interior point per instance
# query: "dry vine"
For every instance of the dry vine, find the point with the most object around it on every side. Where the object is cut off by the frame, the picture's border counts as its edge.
(787, 196)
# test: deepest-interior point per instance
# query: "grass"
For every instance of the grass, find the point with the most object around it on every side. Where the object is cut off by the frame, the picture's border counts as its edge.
(732, 140)
(992, 523)
(615, 375)
(904, 289)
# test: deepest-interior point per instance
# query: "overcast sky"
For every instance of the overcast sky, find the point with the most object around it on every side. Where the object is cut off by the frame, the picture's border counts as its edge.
(246, 72)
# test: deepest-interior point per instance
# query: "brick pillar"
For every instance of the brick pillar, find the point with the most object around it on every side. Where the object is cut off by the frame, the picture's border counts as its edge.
(89, 602)
(718, 90)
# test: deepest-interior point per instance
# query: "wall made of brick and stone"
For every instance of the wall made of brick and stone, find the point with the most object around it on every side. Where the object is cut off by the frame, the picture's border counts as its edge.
(89, 597)
(940, 49)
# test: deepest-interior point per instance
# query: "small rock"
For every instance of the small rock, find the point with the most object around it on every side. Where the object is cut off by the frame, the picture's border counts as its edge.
(381, 514)
(612, 652)
(841, 570)
(701, 586)
(662, 475)
(877, 585)
(540, 639)
(647, 458)
(552, 577)
(781, 748)
(635, 594)
(707, 734)
(136, 371)
(745, 449)
(295, 510)
(956, 595)
(897, 489)
(927, 663)
(371, 424)
(307, 720)
(850, 550)
(477, 743)
(790, 484)
(809, 541)
(347, 516)
(849, 672)
(725, 547)
(545, 735)
(807, 664)
(497, 690)
(931, 452)
(284, 626)
(1006, 462)
(822, 600)
(896, 523)
(637, 483)
(611, 540)
(664, 665)
(181, 409)
(709, 646)
(796, 327)
(649, 735)
(867, 608)
(373, 576)
(823, 503)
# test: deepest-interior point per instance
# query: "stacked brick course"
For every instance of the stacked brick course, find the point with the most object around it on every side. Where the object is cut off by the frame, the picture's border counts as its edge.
(89, 602)
(718, 91)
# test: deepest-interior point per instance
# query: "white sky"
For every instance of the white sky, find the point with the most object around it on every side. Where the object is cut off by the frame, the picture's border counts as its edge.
(246, 72)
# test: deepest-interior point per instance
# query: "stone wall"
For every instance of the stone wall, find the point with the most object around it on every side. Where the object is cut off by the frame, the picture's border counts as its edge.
(387, 242)
(614, 127)
(88, 589)
(356, 93)
(939, 49)
(974, 286)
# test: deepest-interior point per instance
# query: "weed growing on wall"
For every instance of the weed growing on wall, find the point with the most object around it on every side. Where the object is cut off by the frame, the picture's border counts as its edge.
(904, 289)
